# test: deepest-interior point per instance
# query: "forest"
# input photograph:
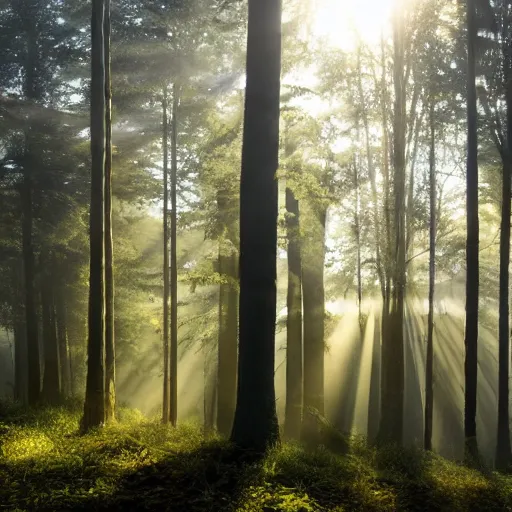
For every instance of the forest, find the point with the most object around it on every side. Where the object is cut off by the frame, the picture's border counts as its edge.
(255, 255)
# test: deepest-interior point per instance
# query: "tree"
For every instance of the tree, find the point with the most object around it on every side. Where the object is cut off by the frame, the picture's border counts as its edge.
(429, 373)
(34, 371)
(228, 311)
(31, 92)
(94, 407)
(173, 374)
(110, 354)
(294, 348)
(51, 391)
(391, 425)
(165, 148)
(503, 449)
(497, 68)
(63, 340)
(313, 219)
(255, 425)
(472, 270)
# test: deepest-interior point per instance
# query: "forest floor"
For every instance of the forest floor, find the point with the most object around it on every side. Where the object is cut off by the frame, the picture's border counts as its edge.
(139, 464)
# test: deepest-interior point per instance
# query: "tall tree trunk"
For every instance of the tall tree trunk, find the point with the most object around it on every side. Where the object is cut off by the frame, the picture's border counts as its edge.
(222, 334)
(429, 373)
(228, 322)
(386, 273)
(173, 405)
(20, 355)
(472, 243)
(228, 346)
(165, 146)
(255, 426)
(34, 368)
(391, 427)
(94, 407)
(210, 388)
(110, 353)
(294, 359)
(62, 331)
(503, 448)
(34, 363)
(20, 339)
(410, 192)
(386, 286)
(357, 229)
(51, 377)
(371, 169)
(314, 320)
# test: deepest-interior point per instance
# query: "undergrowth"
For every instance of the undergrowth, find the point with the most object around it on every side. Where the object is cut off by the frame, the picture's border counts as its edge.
(139, 464)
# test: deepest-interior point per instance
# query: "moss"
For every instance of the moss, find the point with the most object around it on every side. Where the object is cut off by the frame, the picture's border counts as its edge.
(139, 464)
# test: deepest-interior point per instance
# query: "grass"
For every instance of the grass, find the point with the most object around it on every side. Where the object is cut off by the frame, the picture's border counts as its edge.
(139, 464)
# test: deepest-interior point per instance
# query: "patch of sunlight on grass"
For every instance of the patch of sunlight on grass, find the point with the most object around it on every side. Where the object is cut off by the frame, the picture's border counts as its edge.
(462, 484)
(277, 497)
(336, 482)
(25, 444)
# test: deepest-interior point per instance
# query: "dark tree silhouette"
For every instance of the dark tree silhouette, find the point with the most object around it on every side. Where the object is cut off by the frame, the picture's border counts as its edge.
(391, 423)
(255, 425)
(94, 407)
(471, 328)
(429, 373)
(313, 295)
(51, 377)
(228, 318)
(294, 359)
(165, 147)
(62, 332)
(173, 399)
(110, 353)
(503, 448)
(31, 92)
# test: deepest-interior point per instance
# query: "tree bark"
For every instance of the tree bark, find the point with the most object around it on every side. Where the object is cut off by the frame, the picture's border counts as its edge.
(391, 427)
(34, 361)
(173, 404)
(210, 392)
(294, 359)
(62, 331)
(228, 322)
(255, 425)
(94, 407)
(20, 355)
(357, 229)
(429, 373)
(165, 137)
(51, 377)
(472, 243)
(503, 448)
(410, 193)
(387, 210)
(371, 172)
(34, 365)
(314, 319)
(110, 353)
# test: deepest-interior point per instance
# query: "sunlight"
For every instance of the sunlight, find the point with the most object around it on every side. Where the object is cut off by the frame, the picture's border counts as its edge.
(340, 22)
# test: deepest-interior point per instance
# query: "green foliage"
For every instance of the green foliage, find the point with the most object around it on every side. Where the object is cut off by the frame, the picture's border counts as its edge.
(140, 464)
(277, 497)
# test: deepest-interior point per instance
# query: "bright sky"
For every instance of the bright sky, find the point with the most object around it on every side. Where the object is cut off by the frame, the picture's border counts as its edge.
(340, 21)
